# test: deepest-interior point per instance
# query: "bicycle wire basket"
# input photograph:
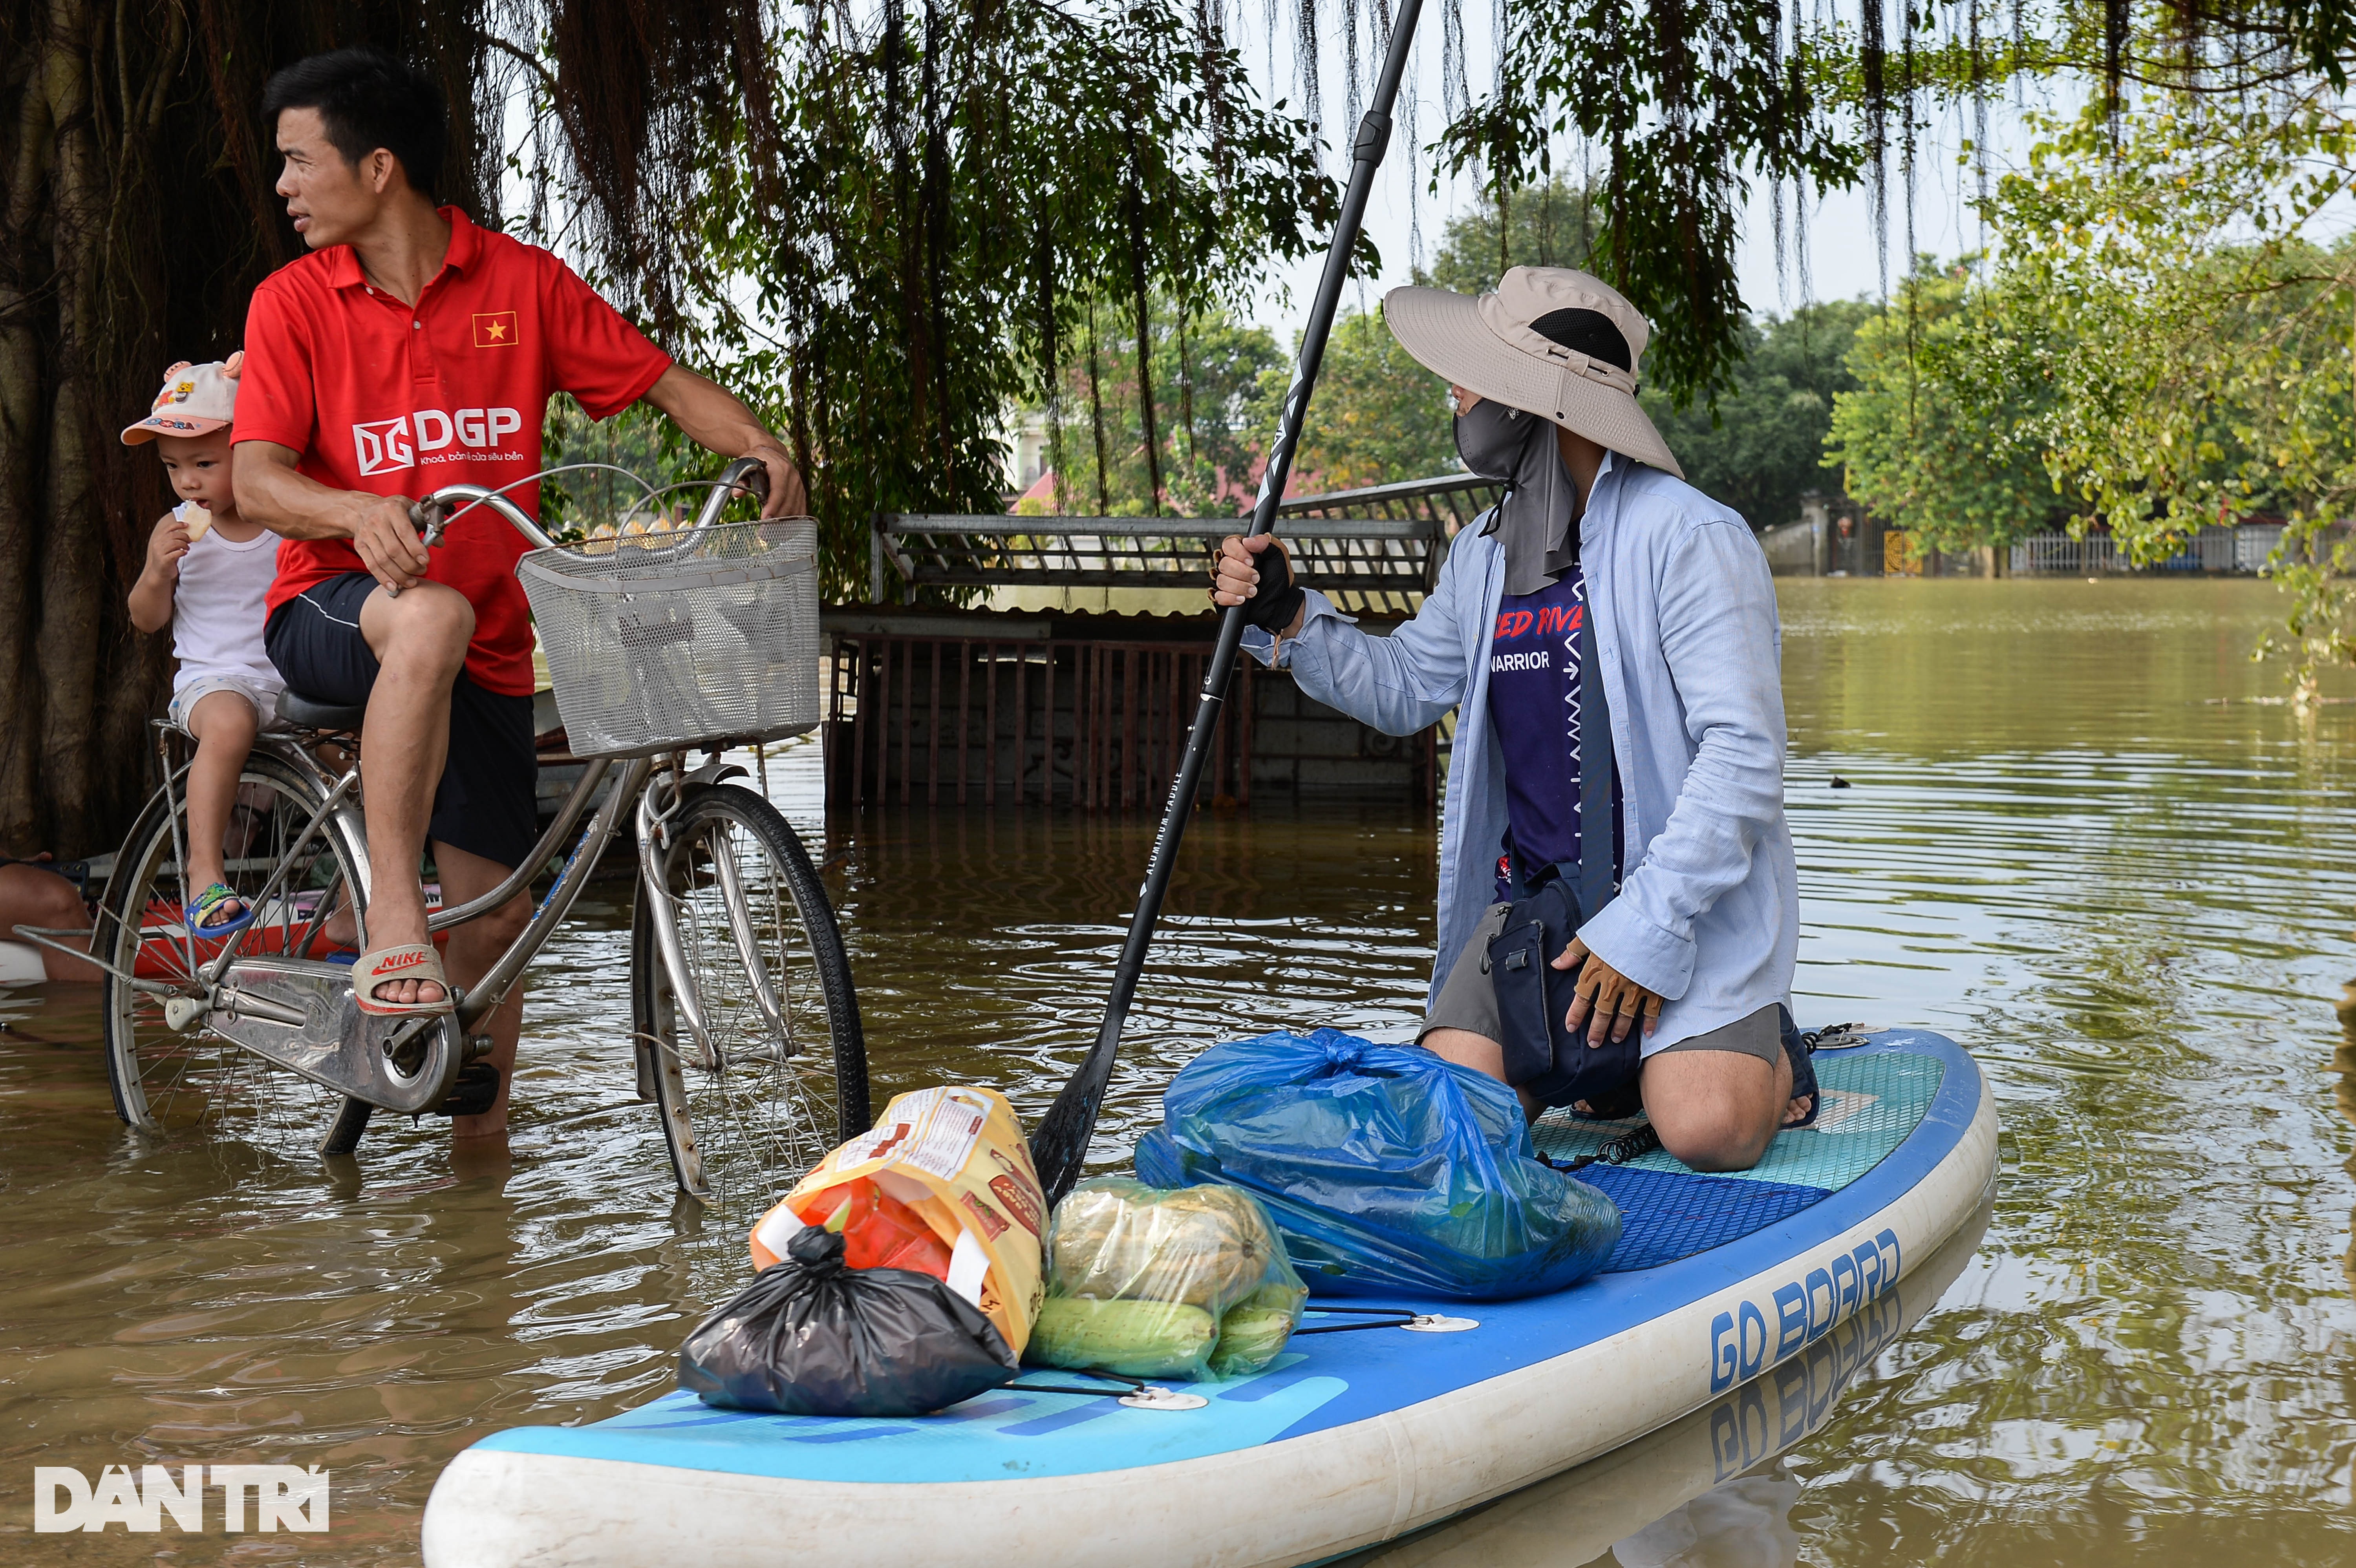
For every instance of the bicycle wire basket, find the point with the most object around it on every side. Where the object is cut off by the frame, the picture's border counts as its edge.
(659, 641)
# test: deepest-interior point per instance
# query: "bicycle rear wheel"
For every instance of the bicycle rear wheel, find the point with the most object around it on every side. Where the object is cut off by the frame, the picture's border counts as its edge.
(785, 1077)
(166, 1081)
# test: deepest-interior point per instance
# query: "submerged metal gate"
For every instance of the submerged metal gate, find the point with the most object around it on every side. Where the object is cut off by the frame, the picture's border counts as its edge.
(1092, 725)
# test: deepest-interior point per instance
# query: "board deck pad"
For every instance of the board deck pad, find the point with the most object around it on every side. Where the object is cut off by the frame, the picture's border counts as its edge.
(1877, 1096)
(1668, 1210)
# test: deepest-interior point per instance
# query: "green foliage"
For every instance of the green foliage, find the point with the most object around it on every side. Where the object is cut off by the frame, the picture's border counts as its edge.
(1540, 225)
(916, 241)
(1378, 417)
(1381, 418)
(1763, 444)
(1943, 435)
(638, 439)
(1204, 373)
(1682, 101)
(2199, 302)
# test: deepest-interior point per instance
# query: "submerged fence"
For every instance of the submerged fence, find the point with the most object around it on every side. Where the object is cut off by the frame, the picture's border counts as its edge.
(2243, 547)
(1810, 548)
(1093, 725)
(991, 710)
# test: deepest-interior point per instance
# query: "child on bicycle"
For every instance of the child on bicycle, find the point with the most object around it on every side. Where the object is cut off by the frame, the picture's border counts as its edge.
(206, 571)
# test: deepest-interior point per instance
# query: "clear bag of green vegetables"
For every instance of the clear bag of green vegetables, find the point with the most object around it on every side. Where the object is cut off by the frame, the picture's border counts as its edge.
(1190, 1283)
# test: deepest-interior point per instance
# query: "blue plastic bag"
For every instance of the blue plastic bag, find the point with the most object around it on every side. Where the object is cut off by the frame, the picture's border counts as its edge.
(1384, 1167)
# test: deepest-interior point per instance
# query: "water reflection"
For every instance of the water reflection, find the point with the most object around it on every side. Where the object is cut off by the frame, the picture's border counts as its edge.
(984, 944)
(2343, 1064)
(1744, 1523)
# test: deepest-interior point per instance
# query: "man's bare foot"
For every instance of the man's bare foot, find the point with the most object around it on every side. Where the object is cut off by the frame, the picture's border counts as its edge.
(407, 993)
(398, 989)
(1797, 1111)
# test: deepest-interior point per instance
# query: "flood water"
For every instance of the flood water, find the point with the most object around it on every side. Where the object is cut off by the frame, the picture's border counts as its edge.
(2065, 842)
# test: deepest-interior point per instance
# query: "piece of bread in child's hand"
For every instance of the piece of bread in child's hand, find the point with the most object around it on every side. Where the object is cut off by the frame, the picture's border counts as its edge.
(197, 521)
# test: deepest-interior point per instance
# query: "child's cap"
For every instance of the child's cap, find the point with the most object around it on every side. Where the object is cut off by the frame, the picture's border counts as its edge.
(196, 399)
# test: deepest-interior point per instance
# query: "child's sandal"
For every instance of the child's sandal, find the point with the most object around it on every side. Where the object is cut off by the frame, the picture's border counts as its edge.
(384, 966)
(207, 904)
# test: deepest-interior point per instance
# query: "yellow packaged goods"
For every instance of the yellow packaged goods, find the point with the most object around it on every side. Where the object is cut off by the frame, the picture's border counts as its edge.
(1151, 1283)
(1135, 1338)
(955, 1157)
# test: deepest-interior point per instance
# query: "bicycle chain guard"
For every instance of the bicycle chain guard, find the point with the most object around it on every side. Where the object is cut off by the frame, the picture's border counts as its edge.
(300, 1013)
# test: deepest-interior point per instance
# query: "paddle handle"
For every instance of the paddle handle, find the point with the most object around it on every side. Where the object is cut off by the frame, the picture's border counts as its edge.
(1060, 1144)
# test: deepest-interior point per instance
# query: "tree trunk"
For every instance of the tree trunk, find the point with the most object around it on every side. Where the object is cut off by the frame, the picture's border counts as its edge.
(135, 218)
(72, 573)
(23, 396)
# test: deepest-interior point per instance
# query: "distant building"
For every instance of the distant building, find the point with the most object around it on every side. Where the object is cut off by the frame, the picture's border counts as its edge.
(1834, 538)
(1026, 450)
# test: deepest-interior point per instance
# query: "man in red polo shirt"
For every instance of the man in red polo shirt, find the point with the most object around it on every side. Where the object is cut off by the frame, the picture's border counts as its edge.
(412, 350)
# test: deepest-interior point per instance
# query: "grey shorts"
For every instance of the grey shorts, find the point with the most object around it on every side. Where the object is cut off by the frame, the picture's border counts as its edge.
(1467, 1001)
(263, 699)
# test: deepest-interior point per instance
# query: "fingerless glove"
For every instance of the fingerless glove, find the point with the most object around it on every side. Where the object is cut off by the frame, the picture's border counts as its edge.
(1278, 599)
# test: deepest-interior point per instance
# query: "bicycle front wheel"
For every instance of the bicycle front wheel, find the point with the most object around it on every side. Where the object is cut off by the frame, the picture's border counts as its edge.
(779, 1075)
(168, 1079)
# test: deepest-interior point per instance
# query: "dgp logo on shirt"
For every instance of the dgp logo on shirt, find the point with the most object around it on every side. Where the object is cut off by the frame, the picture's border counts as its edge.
(383, 445)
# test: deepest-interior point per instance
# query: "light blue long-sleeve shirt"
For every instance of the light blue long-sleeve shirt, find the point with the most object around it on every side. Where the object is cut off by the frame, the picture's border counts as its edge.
(1709, 917)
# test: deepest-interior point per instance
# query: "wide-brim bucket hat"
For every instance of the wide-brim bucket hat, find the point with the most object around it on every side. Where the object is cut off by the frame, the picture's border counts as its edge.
(1551, 341)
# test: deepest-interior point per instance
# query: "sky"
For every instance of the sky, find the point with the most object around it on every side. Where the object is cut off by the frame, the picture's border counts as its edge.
(1843, 256)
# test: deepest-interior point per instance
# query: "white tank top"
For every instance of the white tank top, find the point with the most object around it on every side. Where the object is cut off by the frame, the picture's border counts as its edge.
(217, 610)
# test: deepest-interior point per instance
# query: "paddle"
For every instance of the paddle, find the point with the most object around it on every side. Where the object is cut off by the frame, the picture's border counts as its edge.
(1061, 1142)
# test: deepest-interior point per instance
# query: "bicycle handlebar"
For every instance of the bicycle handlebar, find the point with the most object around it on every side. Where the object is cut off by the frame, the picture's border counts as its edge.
(431, 516)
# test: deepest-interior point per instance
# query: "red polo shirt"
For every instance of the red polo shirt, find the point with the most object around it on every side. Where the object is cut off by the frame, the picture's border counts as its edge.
(382, 398)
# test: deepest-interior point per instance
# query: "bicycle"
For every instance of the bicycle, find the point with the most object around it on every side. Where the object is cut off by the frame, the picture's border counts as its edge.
(744, 1022)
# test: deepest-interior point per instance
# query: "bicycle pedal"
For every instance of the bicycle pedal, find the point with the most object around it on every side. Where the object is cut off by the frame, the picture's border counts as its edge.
(476, 1091)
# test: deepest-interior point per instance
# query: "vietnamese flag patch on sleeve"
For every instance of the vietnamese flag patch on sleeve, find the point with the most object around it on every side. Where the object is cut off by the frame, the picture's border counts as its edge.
(495, 329)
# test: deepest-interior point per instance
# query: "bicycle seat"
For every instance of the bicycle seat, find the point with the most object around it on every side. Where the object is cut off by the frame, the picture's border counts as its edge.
(310, 713)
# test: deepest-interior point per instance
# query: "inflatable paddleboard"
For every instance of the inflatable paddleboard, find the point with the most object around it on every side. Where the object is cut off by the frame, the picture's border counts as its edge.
(1640, 1489)
(1348, 1439)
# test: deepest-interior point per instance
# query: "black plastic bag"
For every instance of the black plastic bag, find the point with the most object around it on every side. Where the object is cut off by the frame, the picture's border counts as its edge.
(810, 1337)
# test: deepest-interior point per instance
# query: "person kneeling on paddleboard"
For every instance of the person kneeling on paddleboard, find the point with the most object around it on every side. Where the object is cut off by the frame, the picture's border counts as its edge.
(1619, 905)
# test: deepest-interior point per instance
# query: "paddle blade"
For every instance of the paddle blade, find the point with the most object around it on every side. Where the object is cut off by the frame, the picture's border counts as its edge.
(1059, 1143)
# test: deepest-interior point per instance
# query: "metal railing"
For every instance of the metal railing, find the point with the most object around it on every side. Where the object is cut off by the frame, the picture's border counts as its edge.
(2213, 548)
(1377, 548)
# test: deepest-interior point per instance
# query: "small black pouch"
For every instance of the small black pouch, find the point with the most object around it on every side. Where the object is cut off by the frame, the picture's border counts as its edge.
(1542, 1055)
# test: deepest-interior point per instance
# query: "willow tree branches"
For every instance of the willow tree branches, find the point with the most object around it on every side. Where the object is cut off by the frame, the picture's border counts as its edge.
(894, 224)
(1682, 97)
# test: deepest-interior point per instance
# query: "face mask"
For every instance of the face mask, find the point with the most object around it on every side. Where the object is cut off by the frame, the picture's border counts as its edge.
(1492, 437)
(1534, 521)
